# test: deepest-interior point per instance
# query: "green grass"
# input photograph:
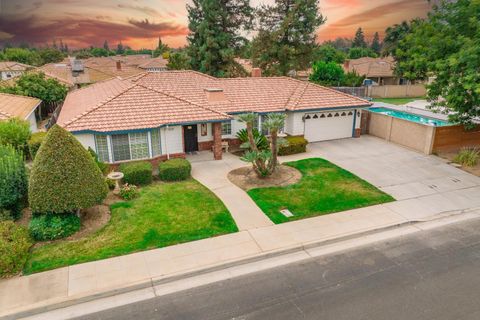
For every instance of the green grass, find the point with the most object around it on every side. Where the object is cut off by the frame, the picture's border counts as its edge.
(324, 188)
(397, 101)
(164, 214)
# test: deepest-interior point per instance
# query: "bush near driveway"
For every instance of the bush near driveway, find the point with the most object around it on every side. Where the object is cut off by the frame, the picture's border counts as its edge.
(163, 214)
(53, 226)
(324, 188)
(138, 173)
(13, 183)
(64, 176)
(468, 157)
(294, 145)
(14, 245)
(174, 170)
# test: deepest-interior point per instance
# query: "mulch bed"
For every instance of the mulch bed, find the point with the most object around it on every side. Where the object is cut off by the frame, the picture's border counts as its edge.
(246, 179)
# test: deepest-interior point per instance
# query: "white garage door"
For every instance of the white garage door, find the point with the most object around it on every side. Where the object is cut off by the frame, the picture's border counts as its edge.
(329, 125)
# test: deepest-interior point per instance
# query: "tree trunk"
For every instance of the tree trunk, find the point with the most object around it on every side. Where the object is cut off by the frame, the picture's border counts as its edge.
(253, 145)
(273, 147)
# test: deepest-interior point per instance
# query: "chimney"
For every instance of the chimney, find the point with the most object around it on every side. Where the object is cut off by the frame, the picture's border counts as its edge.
(256, 73)
(215, 95)
(119, 65)
(346, 64)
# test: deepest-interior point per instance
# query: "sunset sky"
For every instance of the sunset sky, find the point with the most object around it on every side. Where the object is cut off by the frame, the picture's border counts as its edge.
(139, 23)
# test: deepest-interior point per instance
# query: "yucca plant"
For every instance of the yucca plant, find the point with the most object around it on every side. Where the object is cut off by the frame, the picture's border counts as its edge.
(468, 157)
(260, 140)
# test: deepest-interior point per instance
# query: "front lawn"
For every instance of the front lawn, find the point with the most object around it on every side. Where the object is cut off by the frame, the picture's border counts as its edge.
(324, 188)
(164, 214)
(397, 101)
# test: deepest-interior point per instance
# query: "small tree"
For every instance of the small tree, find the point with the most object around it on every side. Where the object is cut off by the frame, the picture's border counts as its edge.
(273, 124)
(64, 176)
(327, 73)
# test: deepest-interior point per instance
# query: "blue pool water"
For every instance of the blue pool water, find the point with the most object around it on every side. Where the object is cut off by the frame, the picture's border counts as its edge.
(411, 117)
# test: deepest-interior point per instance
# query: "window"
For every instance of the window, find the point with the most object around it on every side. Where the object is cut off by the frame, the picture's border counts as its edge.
(102, 148)
(120, 147)
(139, 145)
(156, 143)
(226, 128)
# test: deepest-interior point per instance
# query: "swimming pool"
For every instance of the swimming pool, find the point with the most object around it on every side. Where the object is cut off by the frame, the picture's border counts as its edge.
(410, 117)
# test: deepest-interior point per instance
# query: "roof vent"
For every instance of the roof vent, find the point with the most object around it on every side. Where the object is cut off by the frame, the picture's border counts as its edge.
(77, 66)
(215, 95)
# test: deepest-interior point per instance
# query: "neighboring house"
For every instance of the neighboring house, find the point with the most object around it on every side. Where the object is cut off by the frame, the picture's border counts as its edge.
(380, 70)
(155, 65)
(167, 114)
(12, 69)
(15, 106)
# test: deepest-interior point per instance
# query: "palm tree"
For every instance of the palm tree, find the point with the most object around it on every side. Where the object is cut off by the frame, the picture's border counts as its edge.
(273, 123)
(264, 162)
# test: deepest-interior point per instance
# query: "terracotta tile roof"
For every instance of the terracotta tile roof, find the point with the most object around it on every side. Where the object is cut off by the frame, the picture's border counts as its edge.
(13, 66)
(181, 97)
(371, 67)
(16, 106)
(154, 63)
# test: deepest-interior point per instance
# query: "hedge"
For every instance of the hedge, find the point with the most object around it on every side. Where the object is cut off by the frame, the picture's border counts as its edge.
(14, 245)
(174, 170)
(13, 183)
(64, 176)
(295, 145)
(52, 226)
(137, 173)
(35, 142)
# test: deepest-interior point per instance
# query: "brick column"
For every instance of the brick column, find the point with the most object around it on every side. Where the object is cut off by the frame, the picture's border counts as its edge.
(217, 141)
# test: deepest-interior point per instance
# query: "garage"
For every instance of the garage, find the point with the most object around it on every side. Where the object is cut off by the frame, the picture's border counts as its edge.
(331, 125)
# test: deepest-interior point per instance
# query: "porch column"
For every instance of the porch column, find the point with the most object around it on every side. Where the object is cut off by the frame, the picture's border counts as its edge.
(217, 140)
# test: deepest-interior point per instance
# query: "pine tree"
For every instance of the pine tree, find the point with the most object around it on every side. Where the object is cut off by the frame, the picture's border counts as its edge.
(376, 45)
(105, 45)
(359, 40)
(287, 35)
(120, 48)
(215, 28)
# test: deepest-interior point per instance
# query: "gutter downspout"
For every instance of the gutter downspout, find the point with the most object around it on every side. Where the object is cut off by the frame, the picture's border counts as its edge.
(166, 142)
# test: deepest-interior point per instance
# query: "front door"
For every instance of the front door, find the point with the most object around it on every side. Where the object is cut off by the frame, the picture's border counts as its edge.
(190, 137)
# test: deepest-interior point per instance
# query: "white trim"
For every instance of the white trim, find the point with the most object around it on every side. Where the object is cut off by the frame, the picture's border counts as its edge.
(110, 148)
(149, 140)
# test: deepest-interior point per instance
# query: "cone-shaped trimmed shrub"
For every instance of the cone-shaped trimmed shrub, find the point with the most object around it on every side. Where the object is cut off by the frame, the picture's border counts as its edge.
(64, 176)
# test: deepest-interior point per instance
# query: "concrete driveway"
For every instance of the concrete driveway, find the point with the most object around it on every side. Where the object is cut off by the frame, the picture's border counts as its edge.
(424, 186)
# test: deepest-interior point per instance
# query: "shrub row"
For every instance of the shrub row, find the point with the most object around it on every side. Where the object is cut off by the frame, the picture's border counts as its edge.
(174, 170)
(13, 183)
(294, 145)
(137, 173)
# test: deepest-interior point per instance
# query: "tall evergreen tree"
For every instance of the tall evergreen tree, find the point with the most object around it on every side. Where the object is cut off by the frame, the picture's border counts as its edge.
(105, 45)
(286, 37)
(120, 48)
(393, 35)
(376, 45)
(215, 27)
(359, 40)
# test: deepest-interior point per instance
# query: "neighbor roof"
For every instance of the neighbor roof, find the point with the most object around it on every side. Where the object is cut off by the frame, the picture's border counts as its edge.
(154, 63)
(174, 97)
(13, 66)
(12, 106)
(371, 67)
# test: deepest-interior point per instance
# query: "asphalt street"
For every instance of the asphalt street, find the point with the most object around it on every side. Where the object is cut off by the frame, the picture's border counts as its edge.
(429, 275)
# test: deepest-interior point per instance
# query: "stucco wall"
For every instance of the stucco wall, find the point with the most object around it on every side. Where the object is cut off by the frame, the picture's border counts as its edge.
(87, 140)
(409, 134)
(33, 122)
(236, 126)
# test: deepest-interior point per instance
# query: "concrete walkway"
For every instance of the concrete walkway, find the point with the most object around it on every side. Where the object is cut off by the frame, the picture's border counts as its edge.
(425, 187)
(213, 174)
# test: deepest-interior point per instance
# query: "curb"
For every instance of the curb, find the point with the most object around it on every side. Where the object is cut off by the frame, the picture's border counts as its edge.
(169, 279)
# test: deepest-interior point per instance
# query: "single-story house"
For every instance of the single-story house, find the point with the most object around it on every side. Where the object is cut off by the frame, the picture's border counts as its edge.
(12, 69)
(168, 114)
(15, 106)
(380, 70)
